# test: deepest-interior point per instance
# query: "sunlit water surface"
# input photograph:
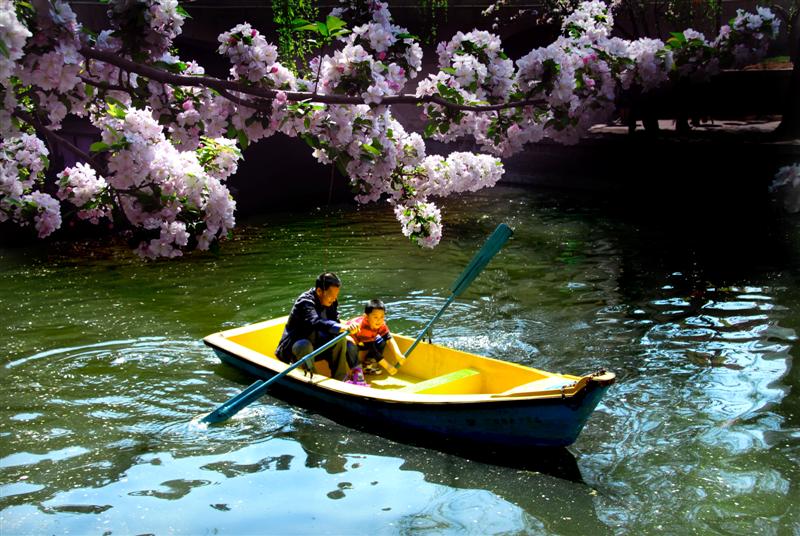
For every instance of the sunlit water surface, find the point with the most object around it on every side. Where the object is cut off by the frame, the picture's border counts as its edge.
(104, 377)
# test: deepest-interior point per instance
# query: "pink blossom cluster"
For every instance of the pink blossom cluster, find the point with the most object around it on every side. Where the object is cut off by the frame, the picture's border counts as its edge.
(46, 212)
(747, 37)
(592, 19)
(577, 79)
(219, 157)
(13, 35)
(166, 164)
(376, 60)
(51, 66)
(253, 58)
(475, 61)
(23, 160)
(694, 56)
(473, 68)
(420, 222)
(163, 189)
(459, 172)
(86, 190)
(152, 25)
(435, 175)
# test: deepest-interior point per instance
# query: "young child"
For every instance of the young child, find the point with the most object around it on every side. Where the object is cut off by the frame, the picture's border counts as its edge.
(373, 337)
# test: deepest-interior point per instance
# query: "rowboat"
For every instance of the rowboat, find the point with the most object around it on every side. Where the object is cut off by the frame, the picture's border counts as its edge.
(440, 396)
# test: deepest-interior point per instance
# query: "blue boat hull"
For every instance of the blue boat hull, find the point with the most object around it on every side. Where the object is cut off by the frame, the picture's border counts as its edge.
(499, 425)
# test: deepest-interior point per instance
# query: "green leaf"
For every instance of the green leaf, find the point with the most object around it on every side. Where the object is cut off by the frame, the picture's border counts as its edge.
(312, 141)
(322, 28)
(449, 70)
(4, 49)
(371, 149)
(334, 23)
(182, 12)
(430, 128)
(115, 111)
(678, 36)
(311, 27)
(99, 147)
(242, 138)
(297, 23)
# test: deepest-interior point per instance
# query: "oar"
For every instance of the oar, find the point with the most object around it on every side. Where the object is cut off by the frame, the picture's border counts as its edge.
(493, 244)
(257, 389)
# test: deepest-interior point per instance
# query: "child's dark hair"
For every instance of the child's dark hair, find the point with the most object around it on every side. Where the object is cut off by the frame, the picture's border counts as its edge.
(374, 304)
(327, 280)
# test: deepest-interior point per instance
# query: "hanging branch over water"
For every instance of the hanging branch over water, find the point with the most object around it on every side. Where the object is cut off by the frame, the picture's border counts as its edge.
(171, 135)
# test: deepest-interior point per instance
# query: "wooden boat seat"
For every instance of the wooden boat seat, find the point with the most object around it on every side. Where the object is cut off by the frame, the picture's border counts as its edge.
(550, 383)
(461, 381)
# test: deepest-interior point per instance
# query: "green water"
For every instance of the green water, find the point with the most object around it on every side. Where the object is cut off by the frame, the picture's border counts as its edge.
(697, 311)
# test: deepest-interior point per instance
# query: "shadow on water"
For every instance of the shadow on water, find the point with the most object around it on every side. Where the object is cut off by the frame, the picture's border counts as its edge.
(546, 483)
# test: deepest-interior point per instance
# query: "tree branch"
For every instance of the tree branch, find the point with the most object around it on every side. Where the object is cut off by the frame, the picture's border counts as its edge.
(46, 132)
(224, 87)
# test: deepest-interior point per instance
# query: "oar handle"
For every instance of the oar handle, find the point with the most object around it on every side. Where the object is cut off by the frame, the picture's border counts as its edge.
(479, 261)
(258, 388)
(428, 326)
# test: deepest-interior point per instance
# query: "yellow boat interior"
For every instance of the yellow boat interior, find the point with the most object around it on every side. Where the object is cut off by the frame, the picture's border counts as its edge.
(429, 370)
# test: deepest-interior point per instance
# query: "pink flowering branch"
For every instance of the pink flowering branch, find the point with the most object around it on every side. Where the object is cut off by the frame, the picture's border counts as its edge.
(225, 87)
(49, 134)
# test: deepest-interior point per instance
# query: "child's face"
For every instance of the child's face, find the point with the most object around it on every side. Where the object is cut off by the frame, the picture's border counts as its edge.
(376, 319)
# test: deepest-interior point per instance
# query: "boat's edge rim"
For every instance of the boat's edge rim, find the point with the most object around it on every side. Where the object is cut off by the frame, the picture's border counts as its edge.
(219, 341)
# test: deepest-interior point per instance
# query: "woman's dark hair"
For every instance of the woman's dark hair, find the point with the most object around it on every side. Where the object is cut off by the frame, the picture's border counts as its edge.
(374, 304)
(327, 280)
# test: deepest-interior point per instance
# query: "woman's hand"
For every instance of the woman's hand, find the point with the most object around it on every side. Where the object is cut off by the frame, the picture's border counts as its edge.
(351, 327)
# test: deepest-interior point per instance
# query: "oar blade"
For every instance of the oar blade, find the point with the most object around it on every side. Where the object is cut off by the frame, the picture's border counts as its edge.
(233, 405)
(493, 244)
(257, 389)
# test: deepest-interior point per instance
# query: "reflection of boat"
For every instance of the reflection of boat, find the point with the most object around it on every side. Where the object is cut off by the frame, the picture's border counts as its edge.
(440, 395)
(546, 484)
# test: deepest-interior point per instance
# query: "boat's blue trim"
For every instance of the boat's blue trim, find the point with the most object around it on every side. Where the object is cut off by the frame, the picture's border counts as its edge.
(512, 423)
